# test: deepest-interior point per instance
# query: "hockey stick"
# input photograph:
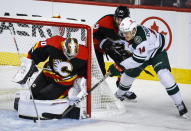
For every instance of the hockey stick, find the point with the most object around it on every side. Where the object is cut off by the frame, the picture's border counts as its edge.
(19, 55)
(35, 107)
(146, 71)
(62, 115)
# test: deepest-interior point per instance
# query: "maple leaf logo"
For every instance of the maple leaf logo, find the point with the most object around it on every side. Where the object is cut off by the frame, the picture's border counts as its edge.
(156, 28)
(161, 26)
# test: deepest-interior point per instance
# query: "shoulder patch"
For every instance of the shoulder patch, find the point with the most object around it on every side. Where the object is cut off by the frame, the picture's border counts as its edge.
(138, 39)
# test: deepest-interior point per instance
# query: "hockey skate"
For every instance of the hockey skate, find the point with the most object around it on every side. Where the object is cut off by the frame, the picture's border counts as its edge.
(182, 109)
(129, 95)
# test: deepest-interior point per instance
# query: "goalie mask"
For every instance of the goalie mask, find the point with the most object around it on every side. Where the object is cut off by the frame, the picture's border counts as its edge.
(70, 47)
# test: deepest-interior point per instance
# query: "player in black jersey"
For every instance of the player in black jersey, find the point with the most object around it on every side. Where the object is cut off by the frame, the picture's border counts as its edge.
(107, 40)
(106, 33)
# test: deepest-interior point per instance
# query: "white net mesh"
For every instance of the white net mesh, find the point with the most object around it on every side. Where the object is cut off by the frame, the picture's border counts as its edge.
(102, 97)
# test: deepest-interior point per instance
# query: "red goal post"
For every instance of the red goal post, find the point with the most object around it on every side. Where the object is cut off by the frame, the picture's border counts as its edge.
(26, 31)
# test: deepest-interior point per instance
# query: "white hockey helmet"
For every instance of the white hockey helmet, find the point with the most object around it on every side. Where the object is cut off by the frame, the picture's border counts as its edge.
(70, 47)
(127, 25)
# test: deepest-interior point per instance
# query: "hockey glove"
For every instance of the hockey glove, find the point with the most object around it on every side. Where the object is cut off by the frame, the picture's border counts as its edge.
(109, 46)
(115, 50)
(115, 70)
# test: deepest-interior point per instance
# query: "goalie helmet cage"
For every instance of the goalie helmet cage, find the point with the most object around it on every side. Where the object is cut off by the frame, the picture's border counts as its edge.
(18, 35)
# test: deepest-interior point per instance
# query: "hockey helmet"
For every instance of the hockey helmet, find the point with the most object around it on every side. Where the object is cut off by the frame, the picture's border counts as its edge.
(127, 25)
(122, 12)
(70, 47)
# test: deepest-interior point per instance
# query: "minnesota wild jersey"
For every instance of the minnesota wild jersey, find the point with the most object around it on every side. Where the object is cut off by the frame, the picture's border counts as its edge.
(144, 46)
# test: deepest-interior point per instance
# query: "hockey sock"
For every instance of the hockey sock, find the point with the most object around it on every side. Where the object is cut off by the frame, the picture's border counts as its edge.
(124, 84)
(169, 83)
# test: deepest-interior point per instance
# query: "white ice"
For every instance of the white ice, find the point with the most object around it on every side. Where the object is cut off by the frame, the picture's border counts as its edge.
(153, 111)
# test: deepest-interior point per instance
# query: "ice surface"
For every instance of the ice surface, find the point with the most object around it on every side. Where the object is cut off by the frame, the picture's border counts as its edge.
(153, 111)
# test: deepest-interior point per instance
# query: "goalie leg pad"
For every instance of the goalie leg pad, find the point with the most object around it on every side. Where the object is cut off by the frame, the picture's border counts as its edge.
(16, 103)
(21, 95)
(26, 107)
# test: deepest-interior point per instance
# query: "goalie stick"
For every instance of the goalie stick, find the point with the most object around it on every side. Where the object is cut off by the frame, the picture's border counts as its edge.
(15, 42)
(62, 115)
(25, 80)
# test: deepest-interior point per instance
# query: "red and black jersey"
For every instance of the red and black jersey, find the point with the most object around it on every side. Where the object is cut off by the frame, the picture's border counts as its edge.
(58, 67)
(105, 28)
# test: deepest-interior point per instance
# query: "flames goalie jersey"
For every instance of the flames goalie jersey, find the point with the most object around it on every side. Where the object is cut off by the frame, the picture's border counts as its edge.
(58, 67)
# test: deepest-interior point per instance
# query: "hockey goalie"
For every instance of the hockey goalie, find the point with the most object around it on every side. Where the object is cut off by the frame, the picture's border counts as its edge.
(60, 84)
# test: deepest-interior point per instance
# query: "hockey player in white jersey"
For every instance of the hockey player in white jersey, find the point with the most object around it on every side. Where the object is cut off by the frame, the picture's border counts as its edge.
(147, 48)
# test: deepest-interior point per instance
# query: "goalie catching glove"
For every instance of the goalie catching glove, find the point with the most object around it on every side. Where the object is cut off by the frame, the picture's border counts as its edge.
(25, 71)
(115, 70)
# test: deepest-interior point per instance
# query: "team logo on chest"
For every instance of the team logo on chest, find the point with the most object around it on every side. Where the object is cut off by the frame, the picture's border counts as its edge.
(63, 68)
(137, 40)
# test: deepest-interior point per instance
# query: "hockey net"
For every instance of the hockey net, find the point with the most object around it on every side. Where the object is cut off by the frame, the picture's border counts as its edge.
(17, 36)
